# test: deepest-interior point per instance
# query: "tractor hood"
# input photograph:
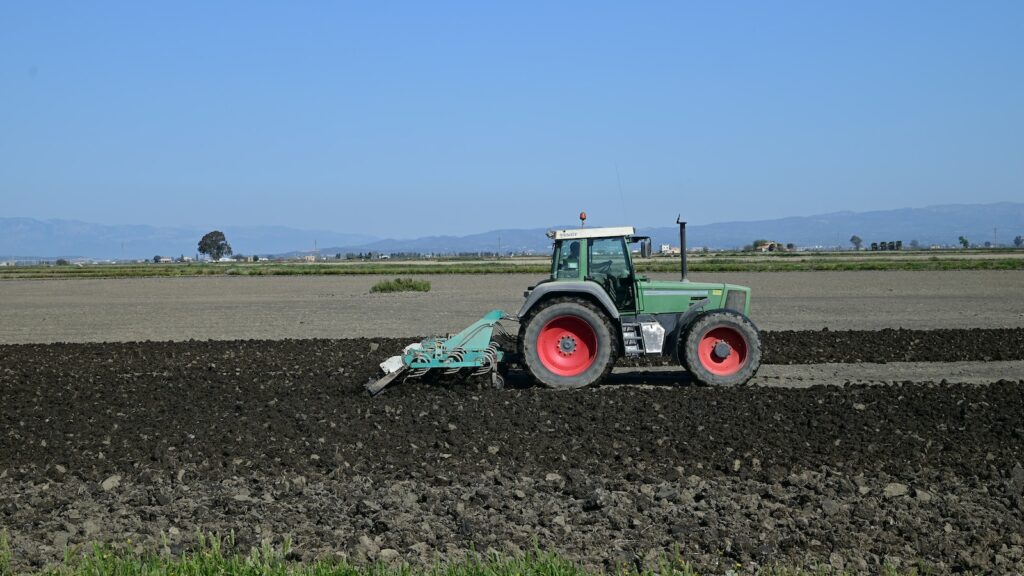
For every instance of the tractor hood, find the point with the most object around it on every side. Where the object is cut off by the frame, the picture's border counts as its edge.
(660, 296)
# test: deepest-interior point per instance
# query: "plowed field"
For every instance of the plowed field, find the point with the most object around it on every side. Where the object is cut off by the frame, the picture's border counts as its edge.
(271, 439)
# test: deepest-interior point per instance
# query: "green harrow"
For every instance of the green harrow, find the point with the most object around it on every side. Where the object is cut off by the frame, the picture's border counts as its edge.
(473, 350)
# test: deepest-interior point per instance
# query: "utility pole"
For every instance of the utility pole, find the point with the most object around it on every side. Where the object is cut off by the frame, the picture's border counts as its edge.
(499, 246)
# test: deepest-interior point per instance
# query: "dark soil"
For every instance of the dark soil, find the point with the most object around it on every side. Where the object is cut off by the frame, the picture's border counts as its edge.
(893, 345)
(275, 439)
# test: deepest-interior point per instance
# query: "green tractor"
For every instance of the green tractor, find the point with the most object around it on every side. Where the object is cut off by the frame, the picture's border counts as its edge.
(594, 309)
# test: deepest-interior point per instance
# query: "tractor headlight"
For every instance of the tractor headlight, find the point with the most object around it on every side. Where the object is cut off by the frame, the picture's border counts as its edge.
(736, 300)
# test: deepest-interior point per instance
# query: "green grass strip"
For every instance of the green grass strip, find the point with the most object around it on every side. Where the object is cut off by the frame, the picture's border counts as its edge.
(401, 285)
(214, 557)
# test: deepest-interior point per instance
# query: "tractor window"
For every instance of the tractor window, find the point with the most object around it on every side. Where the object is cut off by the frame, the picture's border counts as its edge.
(610, 267)
(567, 263)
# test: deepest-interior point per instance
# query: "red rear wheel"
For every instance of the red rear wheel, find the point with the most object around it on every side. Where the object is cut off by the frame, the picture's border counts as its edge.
(722, 351)
(567, 345)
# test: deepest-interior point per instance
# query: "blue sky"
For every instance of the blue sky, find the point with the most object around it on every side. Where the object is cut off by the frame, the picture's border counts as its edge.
(407, 119)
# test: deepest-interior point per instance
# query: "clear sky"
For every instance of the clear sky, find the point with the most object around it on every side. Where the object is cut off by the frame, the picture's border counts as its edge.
(406, 119)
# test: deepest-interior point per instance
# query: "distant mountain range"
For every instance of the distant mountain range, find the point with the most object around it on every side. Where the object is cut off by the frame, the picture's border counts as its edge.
(932, 225)
(30, 239)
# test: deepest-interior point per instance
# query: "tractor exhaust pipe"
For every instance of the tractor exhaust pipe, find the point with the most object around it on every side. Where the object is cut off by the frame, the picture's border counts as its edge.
(682, 246)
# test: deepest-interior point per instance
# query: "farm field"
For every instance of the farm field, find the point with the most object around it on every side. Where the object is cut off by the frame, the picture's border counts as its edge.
(226, 308)
(895, 437)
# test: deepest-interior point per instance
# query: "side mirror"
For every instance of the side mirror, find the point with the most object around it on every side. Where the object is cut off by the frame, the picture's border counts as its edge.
(645, 248)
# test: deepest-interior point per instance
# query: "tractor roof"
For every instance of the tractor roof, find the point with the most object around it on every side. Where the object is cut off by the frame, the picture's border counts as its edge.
(571, 233)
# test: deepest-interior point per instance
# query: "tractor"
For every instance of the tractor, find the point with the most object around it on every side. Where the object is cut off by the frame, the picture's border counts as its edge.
(593, 309)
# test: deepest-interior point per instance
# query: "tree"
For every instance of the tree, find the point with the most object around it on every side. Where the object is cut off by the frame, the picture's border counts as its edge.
(215, 245)
(156, 259)
(964, 242)
(1018, 241)
(856, 241)
(915, 244)
(62, 262)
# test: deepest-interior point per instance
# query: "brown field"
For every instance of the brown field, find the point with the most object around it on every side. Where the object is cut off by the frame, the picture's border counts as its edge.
(342, 307)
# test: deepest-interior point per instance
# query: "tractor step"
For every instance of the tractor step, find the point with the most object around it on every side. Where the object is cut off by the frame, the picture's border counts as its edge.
(471, 349)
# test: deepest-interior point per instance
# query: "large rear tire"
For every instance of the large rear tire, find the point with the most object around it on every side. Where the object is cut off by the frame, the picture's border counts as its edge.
(568, 343)
(721, 348)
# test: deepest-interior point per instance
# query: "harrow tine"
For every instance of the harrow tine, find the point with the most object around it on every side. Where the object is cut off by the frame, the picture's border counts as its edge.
(456, 355)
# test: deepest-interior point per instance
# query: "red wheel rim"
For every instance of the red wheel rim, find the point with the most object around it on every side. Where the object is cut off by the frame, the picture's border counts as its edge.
(567, 345)
(713, 361)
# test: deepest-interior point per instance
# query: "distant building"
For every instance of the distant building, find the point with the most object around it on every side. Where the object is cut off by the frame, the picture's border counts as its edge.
(668, 249)
(6, 263)
(165, 259)
(769, 246)
(309, 258)
(888, 245)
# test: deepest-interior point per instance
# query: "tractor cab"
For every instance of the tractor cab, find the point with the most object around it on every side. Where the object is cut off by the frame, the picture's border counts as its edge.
(601, 256)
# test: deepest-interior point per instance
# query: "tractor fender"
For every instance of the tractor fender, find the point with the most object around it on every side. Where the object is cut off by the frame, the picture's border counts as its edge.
(683, 322)
(592, 289)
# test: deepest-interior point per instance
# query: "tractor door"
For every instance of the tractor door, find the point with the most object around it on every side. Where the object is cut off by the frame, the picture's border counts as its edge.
(609, 265)
(566, 263)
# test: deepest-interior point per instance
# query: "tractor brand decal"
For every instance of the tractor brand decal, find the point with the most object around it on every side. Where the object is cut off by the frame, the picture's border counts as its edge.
(676, 293)
(716, 292)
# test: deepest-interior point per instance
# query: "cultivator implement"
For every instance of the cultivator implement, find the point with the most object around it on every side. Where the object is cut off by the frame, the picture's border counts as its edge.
(472, 351)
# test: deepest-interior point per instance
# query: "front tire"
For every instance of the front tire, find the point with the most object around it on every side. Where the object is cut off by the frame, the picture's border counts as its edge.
(568, 343)
(722, 348)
